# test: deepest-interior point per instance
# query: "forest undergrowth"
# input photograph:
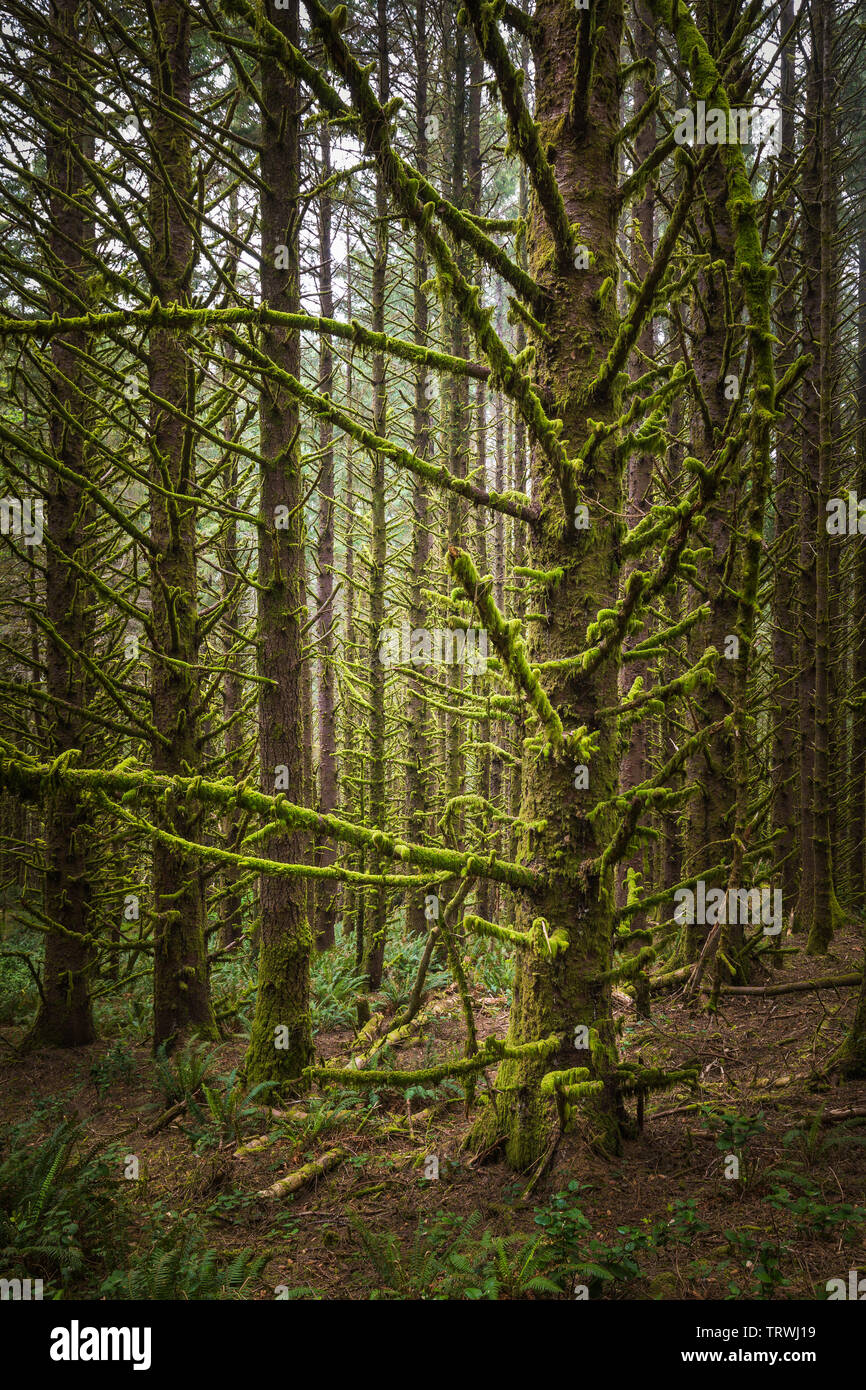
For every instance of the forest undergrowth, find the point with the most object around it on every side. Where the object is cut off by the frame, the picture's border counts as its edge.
(405, 1212)
(432, 659)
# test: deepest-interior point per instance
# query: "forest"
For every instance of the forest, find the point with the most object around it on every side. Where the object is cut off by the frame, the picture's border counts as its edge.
(433, 744)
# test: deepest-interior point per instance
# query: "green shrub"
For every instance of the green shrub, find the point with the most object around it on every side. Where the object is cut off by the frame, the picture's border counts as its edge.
(179, 1265)
(63, 1213)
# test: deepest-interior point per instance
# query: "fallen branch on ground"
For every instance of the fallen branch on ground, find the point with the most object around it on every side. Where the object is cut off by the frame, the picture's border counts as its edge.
(292, 1182)
(166, 1118)
(828, 982)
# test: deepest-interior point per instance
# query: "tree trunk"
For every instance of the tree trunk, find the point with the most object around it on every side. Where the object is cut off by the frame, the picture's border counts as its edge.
(281, 1041)
(181, 992)
(65, 1016)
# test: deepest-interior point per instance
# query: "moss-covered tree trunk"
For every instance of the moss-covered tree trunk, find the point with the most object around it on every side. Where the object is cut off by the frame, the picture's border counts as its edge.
(353, 901)
(784, 617)
(231, 901)
(65, 1016)
(821, 926)
(375, 919)
(458, 422)
(563, 993)
(478, 465)
(281, 1040)
(636, 753)
(418, 750)
(858, 726)
(810, 214)
(326, 891)
(181, 992)
(711, 810)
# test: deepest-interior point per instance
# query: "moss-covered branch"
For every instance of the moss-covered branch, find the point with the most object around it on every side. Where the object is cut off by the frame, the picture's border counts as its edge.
(493, 1050)
(506, 640)
(524, 133)
(27, 777)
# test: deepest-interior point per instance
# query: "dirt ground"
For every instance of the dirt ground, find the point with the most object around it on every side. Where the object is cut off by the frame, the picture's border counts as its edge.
(760, 1057)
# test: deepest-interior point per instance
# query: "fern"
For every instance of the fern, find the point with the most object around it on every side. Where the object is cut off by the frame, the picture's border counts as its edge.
(445, 1260)
(231, 1108)
(180, 1077)
(179, 1267)
(59, 1217)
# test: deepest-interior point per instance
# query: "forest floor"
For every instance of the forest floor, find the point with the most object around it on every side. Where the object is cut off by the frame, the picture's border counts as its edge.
(661, 1221)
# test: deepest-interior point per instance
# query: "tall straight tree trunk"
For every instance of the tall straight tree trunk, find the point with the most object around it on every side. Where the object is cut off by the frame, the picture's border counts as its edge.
(231, 905)
(418, 752)
(353, 901)
(281, 1040)
(521, 484)
(858, 729)
(376, 920)
(484, 893)
(858, 733)
(636, 758)
(711, 769)
(326, 891)
(458, 420)
(65, 1016)
(564, 993)
(232, 689)
(821, 927)
(784, 617)
(181, 993)
(810, 444)
(500, 725)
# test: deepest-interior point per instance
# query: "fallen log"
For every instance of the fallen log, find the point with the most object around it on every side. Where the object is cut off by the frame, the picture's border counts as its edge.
(670, 977)
(292, 1182)
(166, 1118)
(401, 1035)
(827, 982)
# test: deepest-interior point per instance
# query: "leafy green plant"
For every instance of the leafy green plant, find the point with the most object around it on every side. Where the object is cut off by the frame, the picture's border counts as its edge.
(233, 982)
(574, 1256)
(684, 1226)
(62, 1213)
(841, 1219)
(20, 956)
(811, 1143)
(447, 1089)
(116, 1066)
(502, 1267)
(446, 1261)
(334, 1108)
(180, 1076)
(178, 1265)
(231, 1108)
(402, 1274)
(732, 1130)
(761, 1263)
(490, 966)
(226, 1205)
(127, 1015)
(735, 1134)
(336, 985)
